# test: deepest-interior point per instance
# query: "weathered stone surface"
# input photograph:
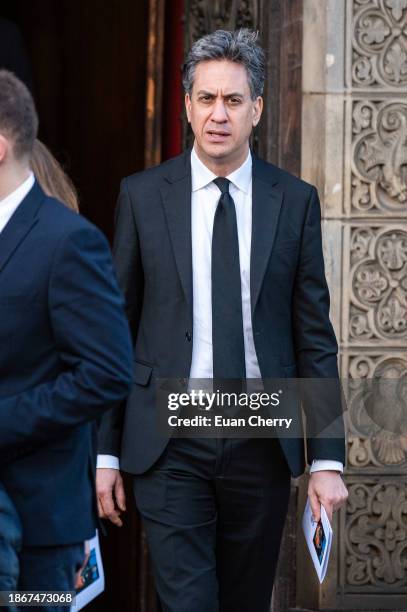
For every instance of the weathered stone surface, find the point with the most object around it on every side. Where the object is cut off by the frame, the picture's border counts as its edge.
(354, 148)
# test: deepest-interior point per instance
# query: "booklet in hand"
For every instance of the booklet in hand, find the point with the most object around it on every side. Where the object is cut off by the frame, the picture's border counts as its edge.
(91, 581)
(318, 536)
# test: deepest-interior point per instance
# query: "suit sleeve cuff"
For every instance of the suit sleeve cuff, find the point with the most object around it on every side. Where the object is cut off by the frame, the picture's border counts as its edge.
(319, 465)
(108, 461)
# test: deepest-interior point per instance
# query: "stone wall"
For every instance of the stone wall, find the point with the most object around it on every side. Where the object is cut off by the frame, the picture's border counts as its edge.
(354, 148)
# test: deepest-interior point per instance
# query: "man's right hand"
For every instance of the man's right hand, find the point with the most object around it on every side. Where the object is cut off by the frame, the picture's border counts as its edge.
(110, 495)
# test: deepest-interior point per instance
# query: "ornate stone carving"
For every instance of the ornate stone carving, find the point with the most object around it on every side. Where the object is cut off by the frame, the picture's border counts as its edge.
(377, 417)
(378, 275)
(379, 158)
(379, 42)
(371, 570)
(204, 17)
(376, 535)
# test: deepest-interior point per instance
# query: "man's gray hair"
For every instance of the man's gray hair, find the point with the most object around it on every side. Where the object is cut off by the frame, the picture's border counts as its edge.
(239, 46)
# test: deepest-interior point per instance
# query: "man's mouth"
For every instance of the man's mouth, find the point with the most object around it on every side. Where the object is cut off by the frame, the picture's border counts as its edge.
(217, 134)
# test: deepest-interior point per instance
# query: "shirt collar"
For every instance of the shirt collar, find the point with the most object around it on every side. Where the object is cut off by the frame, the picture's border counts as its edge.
(17, 196)
(202, 176)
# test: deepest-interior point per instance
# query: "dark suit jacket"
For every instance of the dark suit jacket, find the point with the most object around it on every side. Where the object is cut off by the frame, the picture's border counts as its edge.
(65, 358)
(289, 297)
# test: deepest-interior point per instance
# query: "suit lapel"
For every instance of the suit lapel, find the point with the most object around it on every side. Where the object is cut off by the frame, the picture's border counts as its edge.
(20, 224)
(176, 197)
(266, 204)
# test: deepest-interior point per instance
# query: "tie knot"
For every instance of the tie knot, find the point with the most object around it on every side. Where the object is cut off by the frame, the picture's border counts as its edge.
(222, 184)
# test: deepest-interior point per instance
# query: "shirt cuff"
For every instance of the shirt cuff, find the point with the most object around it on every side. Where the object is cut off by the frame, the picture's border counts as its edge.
(108, 461)
(319, 465)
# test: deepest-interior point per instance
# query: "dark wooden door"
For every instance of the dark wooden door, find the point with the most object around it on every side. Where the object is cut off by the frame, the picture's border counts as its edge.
(89, 70)
(89, 66)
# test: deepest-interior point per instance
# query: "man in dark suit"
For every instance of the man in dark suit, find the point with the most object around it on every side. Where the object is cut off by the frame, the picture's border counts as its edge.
(219, 254)
(65, 358)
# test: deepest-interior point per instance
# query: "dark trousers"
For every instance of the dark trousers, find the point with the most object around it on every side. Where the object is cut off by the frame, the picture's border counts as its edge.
(50, 568)
(214, 511)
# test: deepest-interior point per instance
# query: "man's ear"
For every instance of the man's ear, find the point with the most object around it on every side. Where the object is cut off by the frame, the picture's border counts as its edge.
(188, 106)
(257, 110)
(4, 147)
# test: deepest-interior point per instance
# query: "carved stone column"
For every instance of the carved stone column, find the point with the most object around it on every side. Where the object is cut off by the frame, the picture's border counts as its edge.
(355, 149)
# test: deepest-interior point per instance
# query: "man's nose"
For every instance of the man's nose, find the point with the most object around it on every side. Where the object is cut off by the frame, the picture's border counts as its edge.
(219, 113)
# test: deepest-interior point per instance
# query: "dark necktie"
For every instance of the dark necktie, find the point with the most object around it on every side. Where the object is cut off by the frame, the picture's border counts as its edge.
(227, 318)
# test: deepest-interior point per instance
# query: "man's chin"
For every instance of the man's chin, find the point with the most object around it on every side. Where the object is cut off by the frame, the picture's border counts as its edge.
(217, 150)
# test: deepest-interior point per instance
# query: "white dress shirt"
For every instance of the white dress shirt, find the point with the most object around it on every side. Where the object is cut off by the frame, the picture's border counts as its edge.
(9, 205)
(204, 200)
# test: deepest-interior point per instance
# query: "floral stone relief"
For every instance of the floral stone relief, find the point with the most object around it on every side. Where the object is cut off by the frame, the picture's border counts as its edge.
(379, 43)
(376, 535)
(379, 158)
(378, 276)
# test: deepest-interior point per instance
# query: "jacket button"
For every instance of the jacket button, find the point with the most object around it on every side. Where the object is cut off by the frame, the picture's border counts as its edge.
(188, 336)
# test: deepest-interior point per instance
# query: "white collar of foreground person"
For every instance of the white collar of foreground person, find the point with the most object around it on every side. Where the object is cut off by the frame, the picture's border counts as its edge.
(10, 203)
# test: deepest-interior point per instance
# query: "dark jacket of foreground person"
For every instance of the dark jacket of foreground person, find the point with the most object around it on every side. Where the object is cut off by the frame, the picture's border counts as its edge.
(65, 358)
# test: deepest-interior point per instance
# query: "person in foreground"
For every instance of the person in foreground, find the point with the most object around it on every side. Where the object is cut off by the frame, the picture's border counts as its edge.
(66, 358)
(219, 255)
(55, 183)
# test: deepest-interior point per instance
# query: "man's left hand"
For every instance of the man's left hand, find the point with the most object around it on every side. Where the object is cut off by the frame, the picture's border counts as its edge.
(326, 487)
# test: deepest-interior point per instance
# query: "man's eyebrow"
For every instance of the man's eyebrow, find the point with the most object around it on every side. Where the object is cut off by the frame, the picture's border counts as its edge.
(234, 94)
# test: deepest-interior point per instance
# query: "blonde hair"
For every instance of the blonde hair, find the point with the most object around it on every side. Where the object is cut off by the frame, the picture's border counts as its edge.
(51, 177)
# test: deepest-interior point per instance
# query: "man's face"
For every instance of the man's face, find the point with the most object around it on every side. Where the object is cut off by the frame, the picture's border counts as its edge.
(221, 110)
